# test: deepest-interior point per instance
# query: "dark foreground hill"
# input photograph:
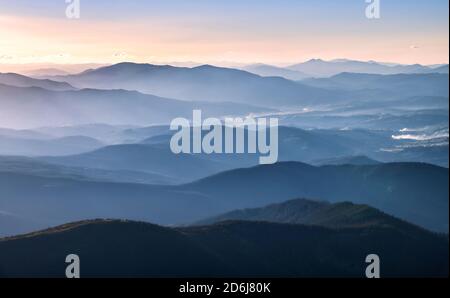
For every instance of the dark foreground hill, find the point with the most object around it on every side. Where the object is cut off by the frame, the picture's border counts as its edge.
(318, 213)
(234, 249)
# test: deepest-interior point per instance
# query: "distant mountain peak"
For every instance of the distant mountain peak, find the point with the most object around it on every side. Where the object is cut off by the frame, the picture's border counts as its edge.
(315, 60)
(322, 68)
(126, 66)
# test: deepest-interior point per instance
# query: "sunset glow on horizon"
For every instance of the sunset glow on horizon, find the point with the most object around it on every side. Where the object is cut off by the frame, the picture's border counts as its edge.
(209, 32)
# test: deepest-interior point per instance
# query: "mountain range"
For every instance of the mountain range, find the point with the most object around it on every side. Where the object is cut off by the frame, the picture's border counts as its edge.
(145, 158)
(389, 143)
(413, 192)
(18, 80)
(210, 83)
(111, 248)
(202, 83)
(56, 146)
(33, 166)
(218, 91)
(86, 168)
(35, 107)
(404, 85)
(322, 68)
(153, 154)
(266, 70)
(310, 68)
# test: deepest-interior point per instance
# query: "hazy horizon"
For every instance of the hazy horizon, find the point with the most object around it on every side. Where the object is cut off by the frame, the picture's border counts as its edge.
(79, 67)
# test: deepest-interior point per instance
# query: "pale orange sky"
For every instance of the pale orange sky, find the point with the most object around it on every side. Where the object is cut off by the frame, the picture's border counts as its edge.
(44, 39)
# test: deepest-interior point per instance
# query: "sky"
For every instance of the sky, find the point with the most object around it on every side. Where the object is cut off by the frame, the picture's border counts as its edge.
(277, 32)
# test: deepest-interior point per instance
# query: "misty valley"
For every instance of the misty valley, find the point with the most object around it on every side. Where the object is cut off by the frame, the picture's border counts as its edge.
(134, 163)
